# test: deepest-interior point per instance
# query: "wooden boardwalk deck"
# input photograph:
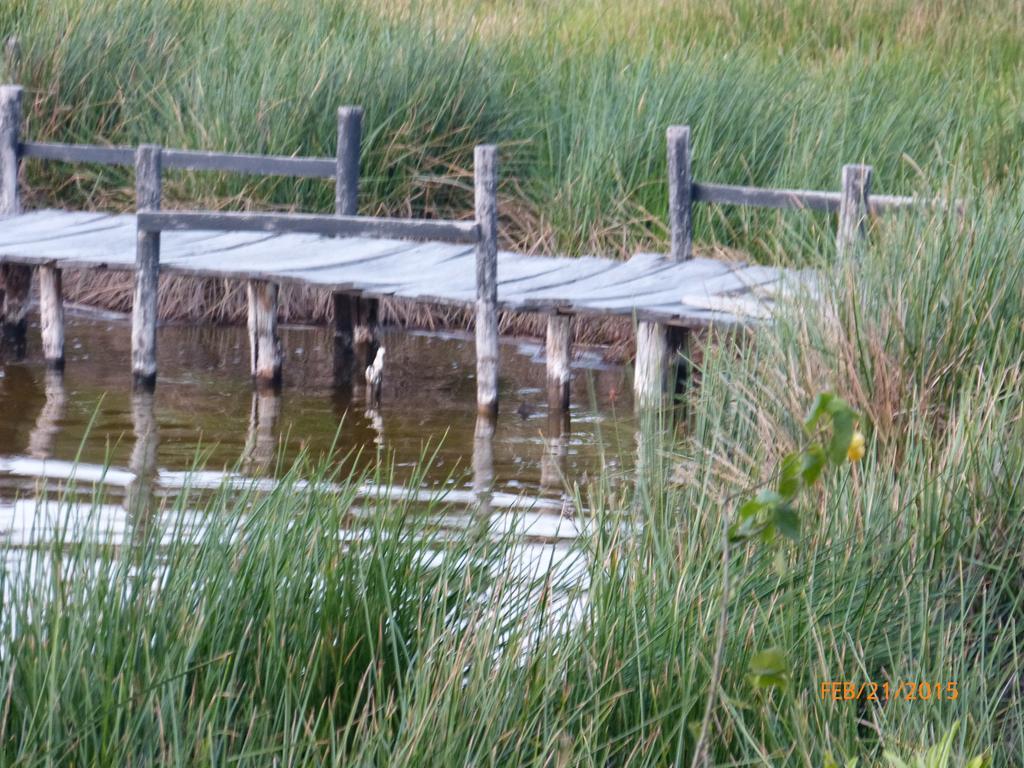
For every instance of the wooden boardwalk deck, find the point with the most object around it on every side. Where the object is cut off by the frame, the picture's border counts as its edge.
(652, 287)
(362, 259)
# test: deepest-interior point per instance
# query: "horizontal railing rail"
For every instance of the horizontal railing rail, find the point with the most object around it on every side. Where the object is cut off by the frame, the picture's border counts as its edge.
(444, 230)
(187, 159)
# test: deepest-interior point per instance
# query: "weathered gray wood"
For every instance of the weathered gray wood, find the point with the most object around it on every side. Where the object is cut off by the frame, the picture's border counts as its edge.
(656, 372)
(78, 153)
(186, 159)
(148, 181)
(14, 278)
(853, 210)
(485, 169)
(800, 199)
(680, 192)
(10, 127)
(333, 226)
(346, 180)
(264, 345)
(558, 349)
(51, 316)
(651, 366)
(650, 287)
(261, 165)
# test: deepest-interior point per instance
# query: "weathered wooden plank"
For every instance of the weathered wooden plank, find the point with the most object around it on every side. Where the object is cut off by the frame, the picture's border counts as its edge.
(332, 226)
(79, 153)
(680, 193)
(725, 194)
(186, 159)
(51, 316)
(101, 236)
(558, 350)
(677, 278)
(485, 166)
(147, 270)
(261, 165)
(853, 209)
(29, 226)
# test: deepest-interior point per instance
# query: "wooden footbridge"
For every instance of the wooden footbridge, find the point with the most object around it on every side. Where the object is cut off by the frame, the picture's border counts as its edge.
(362, 259)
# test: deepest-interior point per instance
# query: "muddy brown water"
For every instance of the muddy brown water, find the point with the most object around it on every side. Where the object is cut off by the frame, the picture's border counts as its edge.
(88, 425)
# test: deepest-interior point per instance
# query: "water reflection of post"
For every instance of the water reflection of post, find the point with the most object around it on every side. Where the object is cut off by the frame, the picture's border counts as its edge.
(483, 462)
(556, 448)
(260, 443)
(140, 498)
(41, 439)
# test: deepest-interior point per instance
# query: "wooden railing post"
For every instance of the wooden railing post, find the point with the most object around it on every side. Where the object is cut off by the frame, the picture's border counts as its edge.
(853, 207)
(355, 317)
(485, 169)
(147, 269)
(680, 192)
(15, 279)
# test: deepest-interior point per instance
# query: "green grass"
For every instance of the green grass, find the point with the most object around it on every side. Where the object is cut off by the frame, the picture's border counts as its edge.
(269, 640)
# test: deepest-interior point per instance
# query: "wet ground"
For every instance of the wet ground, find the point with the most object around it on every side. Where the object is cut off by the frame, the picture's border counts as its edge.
(88, 424)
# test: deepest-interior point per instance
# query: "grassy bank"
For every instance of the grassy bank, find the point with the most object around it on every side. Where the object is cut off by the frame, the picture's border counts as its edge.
(270, 638)
(577, 94)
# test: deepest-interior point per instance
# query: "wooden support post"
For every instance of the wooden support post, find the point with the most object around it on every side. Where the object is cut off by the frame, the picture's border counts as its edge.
(15, 279)
(680, 192)
(558, 347)
(264, 345)
(485, 165)
(659, 366)
(853, 207)
(51, 316)
(344, 316)
(147, 269)
(362, 313)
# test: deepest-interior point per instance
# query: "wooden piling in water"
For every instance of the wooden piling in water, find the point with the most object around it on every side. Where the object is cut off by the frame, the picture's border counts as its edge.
(680, 192)
(660, 368)
(148, 184)
(558, 349)
(264, 345)
(51, 316)
(344, 314)
(485, 169)
(853, 207)
(15, 279)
